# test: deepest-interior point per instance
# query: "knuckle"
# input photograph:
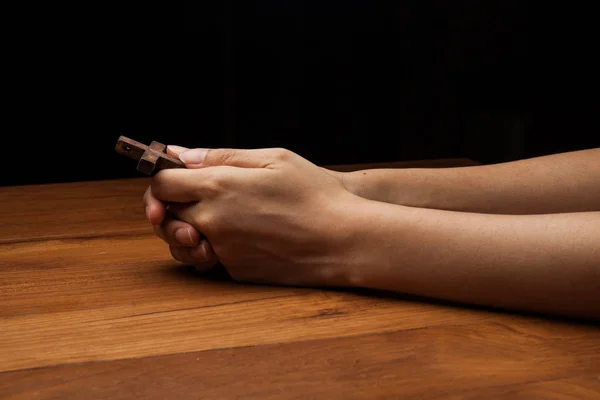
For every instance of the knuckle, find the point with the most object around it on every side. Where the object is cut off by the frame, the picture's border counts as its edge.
(211, 187)
(210, 224)
(201, 221)
(282, 154)
(214, 182)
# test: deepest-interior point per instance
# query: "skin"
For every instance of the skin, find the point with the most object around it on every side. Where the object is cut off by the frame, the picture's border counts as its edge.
(558, 183)
(476, 235)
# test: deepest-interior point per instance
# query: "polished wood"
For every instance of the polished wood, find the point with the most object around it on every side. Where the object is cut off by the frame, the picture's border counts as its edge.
(92, 306)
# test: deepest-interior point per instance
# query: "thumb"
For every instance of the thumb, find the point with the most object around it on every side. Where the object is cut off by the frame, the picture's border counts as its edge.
(175, 151)
(255, 158)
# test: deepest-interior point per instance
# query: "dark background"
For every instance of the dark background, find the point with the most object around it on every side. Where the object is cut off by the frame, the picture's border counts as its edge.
(335, 81)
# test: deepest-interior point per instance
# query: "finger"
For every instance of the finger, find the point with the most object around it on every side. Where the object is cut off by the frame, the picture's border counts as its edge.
(182, 185)
(177, 233)
(174, 151)
(202, 256)
(253, 158)
(158, 231)
(178, 185)
(155, 209)
(188, 213)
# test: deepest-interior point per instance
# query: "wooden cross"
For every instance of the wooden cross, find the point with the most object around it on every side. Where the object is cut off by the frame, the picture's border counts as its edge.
(151, 158)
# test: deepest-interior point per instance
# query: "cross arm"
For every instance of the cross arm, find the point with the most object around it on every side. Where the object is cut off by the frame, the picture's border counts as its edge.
(150, 159)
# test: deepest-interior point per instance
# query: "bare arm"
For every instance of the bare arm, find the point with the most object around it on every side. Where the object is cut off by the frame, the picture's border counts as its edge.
(565, 182)
(271, 216)
(542, 263)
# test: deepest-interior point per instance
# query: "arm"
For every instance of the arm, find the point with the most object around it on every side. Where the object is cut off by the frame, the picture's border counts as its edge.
(540, 263)
(270, 216)
(565, 182)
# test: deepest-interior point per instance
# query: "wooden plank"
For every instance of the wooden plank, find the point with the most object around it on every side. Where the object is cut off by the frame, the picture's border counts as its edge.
(73, 300)
(585, 387)
(135, 273)
(515, 359)
(65, 210)
(83, 280)
(127, 331)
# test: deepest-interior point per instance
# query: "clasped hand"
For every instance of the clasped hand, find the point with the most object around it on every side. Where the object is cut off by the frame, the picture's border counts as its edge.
(267, 215)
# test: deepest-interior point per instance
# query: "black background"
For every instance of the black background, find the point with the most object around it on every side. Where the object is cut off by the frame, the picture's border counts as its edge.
(335, 81)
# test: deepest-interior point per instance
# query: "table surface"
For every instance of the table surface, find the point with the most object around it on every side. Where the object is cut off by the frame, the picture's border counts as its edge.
(93, 306)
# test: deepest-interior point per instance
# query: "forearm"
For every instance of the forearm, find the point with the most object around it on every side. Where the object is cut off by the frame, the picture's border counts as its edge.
(540, 263)
(566, 182)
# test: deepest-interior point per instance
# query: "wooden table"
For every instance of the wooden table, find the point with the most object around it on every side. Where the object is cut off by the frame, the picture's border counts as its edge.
(93, 306)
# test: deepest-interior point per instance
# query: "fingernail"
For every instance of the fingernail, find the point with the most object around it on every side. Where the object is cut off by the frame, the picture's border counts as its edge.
(184, 236)
(199, 252)
(176, 149)
(193, 156)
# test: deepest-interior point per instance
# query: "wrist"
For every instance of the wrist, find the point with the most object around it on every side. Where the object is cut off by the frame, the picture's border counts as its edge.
(412, 187)
(363, 183)
(382, 185)
(369, 183)
(377, 233)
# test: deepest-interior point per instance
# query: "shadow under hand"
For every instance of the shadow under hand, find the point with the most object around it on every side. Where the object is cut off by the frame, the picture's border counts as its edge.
(219, 275)
(188, 272)
(460, 305)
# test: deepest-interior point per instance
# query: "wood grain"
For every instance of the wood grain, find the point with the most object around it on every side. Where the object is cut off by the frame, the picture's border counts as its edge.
(68, 210)
(73, 307)
(93, 306)
(586, 387)
(470, 361)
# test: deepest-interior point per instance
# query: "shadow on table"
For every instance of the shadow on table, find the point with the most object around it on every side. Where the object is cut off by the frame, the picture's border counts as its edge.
(188, 272)
(219, 274)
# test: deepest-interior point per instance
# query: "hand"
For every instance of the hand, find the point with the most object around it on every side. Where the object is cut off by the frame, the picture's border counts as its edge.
(186, 243)
(270, 215)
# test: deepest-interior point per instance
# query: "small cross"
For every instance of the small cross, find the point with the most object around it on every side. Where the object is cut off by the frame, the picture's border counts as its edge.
(150, 158)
